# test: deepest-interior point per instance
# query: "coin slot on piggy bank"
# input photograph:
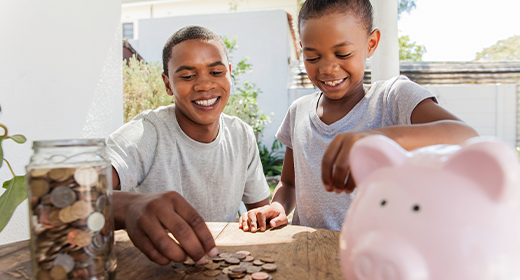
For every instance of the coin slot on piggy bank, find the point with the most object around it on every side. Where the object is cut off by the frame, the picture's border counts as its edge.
(439, 212)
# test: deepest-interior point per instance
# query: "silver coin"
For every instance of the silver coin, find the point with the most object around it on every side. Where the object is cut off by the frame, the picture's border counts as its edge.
(101, 202)
(86, 176)
(66, 261)
(62, 196)
(253, 269)
(99, 242)
(95, 221)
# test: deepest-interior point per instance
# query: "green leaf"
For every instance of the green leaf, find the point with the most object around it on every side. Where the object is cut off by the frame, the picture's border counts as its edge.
(14, 194)
(1, 152)
(18, 138)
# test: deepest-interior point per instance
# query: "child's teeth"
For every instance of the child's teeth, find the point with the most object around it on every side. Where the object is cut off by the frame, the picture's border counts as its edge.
(333, 83)
(207, 102)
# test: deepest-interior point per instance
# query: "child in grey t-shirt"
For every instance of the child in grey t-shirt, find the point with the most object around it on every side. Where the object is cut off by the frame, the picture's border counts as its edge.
(319, 130)
(188, 163)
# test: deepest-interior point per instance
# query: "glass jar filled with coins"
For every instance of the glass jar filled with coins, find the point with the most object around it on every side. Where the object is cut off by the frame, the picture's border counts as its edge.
(69, 186)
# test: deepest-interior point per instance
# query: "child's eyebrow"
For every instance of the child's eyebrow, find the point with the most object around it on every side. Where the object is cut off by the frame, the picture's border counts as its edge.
(346, 43)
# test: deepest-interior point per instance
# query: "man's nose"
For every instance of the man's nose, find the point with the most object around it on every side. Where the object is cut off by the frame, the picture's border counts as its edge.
(204, 83)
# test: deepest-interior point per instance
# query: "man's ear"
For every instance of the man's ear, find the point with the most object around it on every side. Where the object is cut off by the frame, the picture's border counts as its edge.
(373, 41)
(167, 84)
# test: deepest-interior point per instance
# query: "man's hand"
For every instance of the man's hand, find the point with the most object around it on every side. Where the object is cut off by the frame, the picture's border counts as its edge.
(256, 219)
(146, 218)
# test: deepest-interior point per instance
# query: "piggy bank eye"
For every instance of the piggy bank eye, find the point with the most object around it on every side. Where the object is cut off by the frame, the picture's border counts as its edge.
(383, 203)
(416, 208)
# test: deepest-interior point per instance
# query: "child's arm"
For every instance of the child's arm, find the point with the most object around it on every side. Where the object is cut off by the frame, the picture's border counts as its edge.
(431, 125)
(284, 201)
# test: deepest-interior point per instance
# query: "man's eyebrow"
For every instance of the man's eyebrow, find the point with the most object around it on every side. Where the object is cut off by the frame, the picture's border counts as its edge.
(183, 67)
(216, 63)
(346, 43)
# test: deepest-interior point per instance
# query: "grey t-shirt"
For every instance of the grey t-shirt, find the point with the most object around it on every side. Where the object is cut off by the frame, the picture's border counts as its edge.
(151, 153)
(385, 103)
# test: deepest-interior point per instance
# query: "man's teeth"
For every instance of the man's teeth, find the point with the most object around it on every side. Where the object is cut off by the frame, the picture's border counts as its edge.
(207, 102)
(333, 83)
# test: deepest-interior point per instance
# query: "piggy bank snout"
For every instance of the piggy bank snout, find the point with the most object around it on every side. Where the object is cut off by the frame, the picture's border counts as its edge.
(388, 259)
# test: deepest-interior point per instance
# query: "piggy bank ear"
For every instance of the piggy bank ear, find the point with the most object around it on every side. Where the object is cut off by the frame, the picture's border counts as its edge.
(372, 153)
(488, 164)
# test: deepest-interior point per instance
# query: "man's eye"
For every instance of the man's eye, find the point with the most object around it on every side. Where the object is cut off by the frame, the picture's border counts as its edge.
(189, 77)
(216, 73)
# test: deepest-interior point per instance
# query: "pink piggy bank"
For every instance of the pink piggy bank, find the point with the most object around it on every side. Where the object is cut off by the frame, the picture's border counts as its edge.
(443, 212)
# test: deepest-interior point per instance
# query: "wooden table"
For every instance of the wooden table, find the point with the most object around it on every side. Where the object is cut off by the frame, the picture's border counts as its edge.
(299, 252)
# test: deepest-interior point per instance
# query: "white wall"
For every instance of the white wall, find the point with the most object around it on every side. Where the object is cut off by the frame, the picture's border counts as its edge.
(489, 108)
(261, 36)
(60, 78)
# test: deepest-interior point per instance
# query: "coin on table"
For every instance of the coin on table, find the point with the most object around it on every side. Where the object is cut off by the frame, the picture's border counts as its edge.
(58, 272)
(258, 262)
(181, 270)
(247, 277)
(212, 266)
(222, 277)
(212, 273)
(269, 267)
(235, 275)
(194, 270)
(62, 196)
(239, 269)
(86, 176)
(232, 260)
(95, 221)
(260, 276)
(217, 259)
(66, 261)
(239, 256)
(267, 259)
(39, 187)
(246, 264)
(83, 238)
(81, 209)
(253, 269)
(223, 264)
(247, 253)
(60, 174)
(248, 259)
(189, 262)
(224, 255)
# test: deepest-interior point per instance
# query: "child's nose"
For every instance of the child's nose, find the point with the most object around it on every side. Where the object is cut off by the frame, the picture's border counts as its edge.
(327, 68)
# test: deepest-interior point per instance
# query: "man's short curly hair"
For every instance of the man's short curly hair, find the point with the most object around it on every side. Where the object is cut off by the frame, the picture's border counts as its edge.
(312, 9)
(188, 33)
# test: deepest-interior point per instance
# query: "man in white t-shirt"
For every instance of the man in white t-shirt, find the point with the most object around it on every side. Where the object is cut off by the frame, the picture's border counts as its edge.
(181, 165)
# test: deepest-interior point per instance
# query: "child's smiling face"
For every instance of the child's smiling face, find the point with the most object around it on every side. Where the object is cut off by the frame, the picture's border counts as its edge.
(335, 49)
(200, 80)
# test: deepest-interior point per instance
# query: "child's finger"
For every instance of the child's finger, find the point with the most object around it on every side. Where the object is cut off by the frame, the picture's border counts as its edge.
(341, 169)
(251, 217)
(327, 163)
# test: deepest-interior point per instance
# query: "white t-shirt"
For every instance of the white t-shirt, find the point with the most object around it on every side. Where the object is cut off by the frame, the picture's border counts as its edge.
(151, 153)
(386, 103)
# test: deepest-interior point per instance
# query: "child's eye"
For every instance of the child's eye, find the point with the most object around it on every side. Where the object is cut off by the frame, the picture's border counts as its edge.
(314, 59)
(344, 55)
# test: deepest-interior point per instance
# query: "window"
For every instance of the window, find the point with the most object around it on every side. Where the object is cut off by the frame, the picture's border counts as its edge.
(128, 30)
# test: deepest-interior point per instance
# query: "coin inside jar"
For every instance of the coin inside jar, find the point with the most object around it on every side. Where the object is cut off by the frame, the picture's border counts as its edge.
(62, 196)
(39, 187)
(86, 176)
(58, 272)
(81, 209)
(66, 261)
(39, 172)
(95, 221)
(60, 174)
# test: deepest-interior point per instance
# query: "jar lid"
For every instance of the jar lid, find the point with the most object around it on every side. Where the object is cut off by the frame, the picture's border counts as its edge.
(69, 143)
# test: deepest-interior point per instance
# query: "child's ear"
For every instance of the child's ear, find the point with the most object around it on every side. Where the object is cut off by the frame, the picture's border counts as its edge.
(229, 67)
(167, 84)
(373, 41)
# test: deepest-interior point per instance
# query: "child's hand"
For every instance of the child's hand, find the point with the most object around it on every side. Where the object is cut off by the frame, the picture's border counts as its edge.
(335, 164)
(147, 217)
(256, 219)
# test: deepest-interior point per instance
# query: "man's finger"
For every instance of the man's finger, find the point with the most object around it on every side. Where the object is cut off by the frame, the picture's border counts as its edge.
(278, 221)
(191, 231)
(251, 218)
(261, 220)
(143, 243)
(244, 222)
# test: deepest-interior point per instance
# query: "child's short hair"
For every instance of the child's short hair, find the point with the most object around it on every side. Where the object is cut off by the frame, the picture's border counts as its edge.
(317, 8)
(188, 33)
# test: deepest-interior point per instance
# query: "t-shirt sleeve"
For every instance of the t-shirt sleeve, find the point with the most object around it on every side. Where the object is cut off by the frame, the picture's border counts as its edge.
(131, 149)
(284, 131)
(256, 188)
(404, 95)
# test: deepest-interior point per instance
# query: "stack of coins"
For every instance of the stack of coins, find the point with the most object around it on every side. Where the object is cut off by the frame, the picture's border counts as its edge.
(227, 266)
(72, 231)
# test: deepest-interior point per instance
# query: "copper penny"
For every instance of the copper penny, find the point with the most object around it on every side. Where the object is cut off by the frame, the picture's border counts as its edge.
(212, 266)
(232, 260)
(58, 272)
(239, 256)
(235, 275)
(224, 255)
(82, 239)
(212, 273)
(269, 267)
(253, 269)
(239, 269)
(62, 196)
(65, 215)
(71, 236)
(223, 264)
(86, 176)
(81, 209)
(246, 264)
(247, 253)
(44, 275)
(39, 187)
(39, 172)
(60, 174)
(260, 276)
(258, 262)
(248, 259)
(222, 277)
(217, 259)
(267, 259)
(54, 218)
(194, 270)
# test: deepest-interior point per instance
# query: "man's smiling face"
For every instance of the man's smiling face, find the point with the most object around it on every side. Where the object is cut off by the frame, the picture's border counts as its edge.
(199, 78)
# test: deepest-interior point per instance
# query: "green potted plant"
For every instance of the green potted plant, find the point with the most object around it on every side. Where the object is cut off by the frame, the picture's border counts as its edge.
(15, 191)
